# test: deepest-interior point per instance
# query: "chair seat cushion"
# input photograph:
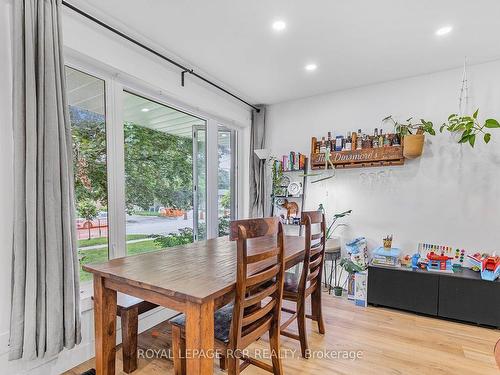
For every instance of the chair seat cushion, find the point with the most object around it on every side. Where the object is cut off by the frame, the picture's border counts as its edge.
(222, 322)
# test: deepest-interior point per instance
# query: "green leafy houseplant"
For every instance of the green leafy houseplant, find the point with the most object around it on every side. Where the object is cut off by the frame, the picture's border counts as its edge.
(412, 135)
(408, 128)
(469, 127)
(350, 267)
(277, 175)
(332, 226)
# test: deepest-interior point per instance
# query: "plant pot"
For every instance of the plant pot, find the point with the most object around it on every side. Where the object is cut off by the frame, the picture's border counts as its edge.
(413, 145)
(337, 291)
(332, 245)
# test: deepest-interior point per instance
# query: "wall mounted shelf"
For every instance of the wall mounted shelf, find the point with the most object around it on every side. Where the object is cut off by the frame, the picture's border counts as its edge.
(368, 157)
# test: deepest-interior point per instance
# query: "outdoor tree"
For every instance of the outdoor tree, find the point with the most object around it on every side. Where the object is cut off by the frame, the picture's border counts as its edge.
(225, 201)
(89, 155)
(158, 168)
(88, 210)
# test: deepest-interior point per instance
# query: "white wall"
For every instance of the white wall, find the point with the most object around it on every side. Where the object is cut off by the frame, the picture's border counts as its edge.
(449, 196)
(96, 46)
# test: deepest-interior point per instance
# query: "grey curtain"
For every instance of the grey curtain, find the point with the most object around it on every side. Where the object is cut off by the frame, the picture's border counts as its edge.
(45, 313)
(258, 197)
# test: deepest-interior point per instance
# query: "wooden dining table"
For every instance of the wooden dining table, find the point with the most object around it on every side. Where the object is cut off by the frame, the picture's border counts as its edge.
(194, 279)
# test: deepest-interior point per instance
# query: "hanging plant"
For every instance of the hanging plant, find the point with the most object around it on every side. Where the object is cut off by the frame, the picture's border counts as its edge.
(470, 127)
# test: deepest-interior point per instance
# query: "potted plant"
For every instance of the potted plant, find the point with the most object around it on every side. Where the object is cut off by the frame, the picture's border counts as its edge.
(469, 127)
(412, 135)
(351, 268)
(330, 241)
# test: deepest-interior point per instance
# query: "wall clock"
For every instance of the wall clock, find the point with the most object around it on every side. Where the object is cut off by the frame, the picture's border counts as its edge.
(294, 188)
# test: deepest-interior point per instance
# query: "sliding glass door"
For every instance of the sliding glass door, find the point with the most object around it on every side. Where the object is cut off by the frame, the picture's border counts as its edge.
(165, 190)
(226, 181)
(87, 111)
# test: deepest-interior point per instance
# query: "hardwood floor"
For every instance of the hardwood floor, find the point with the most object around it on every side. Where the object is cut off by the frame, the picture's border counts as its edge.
(390, 342)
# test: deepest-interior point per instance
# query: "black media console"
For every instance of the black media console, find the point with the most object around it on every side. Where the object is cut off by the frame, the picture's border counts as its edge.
(462, 295)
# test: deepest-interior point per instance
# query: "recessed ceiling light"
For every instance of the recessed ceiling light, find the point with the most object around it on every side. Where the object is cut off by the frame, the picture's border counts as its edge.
(145, 110)
(279, 25)
(444, 30)
(310, 67)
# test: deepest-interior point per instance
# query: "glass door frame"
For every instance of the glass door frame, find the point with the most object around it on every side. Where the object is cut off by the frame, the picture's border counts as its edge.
(115, 85)
(234, 173)
(196, 217)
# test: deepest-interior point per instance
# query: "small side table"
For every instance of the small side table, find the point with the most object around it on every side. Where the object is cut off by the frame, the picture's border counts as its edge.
(332, 253)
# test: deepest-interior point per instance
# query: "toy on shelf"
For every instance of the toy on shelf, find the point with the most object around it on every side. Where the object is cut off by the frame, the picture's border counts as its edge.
(388, 242)
(406, 261)
(439, 263)
(489, 266)
(358, 251)
(457, 256)
(386, 257)
(414, 261)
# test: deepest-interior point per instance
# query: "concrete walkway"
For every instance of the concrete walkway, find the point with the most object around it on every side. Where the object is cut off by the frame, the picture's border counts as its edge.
(103, 246)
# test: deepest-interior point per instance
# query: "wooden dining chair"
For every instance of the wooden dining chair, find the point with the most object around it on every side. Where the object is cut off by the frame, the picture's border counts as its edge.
(256, 309)
(298, 288)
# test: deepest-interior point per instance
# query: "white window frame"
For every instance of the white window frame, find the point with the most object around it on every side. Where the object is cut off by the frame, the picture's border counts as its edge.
(115, 86)
(234, 167)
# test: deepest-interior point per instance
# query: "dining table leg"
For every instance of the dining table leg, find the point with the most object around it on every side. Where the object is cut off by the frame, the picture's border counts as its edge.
(104, 327)
(200, 338)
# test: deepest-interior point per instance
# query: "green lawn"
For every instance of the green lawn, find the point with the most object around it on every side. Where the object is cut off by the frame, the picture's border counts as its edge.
(101, 255)
(104, 240)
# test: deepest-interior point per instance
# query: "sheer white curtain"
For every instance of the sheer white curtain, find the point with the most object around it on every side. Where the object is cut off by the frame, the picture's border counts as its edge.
(45, 313)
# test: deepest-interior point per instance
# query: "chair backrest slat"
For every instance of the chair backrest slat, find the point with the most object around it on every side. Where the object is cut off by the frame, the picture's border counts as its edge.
(263, 256)
(259, 296)
(251, 316)
(314, 251)
(254, 228)
(258, 313)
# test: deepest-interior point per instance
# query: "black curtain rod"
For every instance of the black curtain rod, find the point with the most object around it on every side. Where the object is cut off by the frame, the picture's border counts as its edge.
(156, 53)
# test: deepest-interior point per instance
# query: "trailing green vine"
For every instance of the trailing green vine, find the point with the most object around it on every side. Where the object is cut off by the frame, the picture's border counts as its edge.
(470, 127)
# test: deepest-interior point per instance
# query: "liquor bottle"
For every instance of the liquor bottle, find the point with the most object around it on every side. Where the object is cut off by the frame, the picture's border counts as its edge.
(387, 141)
(381, 139)
(375, 138)
(354, 140)
(396, 141)
(359, 140)
(367, 142)
(322, 147)
(348, 142)
(338, 143)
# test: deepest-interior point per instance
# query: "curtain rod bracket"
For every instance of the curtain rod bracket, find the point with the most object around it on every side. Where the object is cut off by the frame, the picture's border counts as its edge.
(183, 73)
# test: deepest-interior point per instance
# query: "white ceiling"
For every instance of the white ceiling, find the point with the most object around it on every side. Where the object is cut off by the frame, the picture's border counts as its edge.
(87, 92)
(158, 116)
(353, 42)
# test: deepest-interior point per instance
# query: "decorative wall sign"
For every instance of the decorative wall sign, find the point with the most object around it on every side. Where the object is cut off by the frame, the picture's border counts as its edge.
(370, 157)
